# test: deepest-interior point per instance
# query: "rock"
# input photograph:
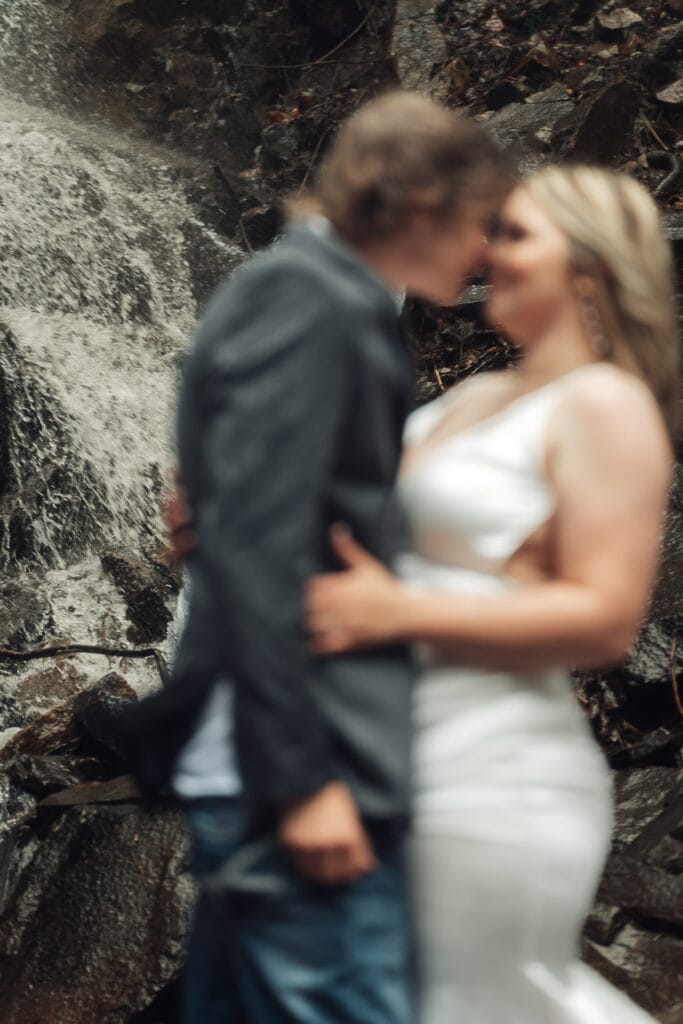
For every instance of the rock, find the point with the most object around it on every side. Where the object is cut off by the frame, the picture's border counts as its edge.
(472, 302)
(641, 794)
(659, 746)
(47, 687)
(96, 709)
(209, 257)
(657, 652)
(602, 122)
(279, 145)
(529, 128)
(613, 21)
(659, 842)
(650, 893)
(41, 775)
(604, 923)
(261, 225)
(644, 964)
(51, 733)
(459, 74)
(145, 593)
(63, 726)
(418, 48)
(335, 18)
(672, 94)
(97, 923)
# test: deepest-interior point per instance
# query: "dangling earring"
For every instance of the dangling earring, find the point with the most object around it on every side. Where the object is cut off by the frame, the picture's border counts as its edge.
(592, 320)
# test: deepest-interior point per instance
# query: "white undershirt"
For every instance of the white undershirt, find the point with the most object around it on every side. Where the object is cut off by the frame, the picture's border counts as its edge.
(207, 764)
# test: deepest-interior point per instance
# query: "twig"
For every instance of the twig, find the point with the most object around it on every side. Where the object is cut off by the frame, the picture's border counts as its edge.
(311, 164)
(439, 381)
(319, 60)
(299, 67)
(112, 652)
(243, 232)
(653, 132)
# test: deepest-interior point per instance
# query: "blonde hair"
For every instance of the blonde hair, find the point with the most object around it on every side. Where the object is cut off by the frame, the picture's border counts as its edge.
(402, 153)
(617, 239)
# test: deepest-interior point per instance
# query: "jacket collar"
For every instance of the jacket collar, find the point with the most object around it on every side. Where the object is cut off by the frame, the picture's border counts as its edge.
(317, 234)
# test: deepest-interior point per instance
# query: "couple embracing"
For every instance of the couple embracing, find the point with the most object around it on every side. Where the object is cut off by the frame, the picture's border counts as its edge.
(320, 716)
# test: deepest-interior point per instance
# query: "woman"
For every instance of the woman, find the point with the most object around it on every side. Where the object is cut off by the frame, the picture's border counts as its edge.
(535, 499)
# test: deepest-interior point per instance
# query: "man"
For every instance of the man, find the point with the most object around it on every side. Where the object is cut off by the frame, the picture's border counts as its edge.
(290, 420)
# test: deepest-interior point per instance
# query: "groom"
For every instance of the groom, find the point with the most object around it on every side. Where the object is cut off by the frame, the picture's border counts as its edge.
(295, 770)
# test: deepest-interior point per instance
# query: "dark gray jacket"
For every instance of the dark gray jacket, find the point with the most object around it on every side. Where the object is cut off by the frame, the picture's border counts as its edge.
(290, 419)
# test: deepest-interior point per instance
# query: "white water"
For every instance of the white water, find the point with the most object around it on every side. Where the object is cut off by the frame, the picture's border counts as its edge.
(96, 289)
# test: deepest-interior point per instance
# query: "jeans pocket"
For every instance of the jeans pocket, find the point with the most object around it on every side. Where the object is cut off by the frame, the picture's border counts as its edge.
(217, 828)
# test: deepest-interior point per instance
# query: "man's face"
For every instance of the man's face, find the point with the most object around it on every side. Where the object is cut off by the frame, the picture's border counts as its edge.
(442, 257)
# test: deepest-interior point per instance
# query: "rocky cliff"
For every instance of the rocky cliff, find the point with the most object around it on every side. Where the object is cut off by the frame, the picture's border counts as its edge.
(144, 147)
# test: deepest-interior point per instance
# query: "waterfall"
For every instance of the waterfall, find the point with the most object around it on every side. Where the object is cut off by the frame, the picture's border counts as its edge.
(99, 249)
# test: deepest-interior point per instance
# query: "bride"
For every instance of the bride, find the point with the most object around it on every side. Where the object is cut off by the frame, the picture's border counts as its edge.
(535, 500)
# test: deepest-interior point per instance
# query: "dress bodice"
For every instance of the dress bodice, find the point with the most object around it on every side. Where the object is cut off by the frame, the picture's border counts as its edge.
(471, 500)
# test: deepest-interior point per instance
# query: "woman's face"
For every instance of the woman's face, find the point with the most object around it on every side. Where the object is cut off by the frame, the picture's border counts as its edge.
(530, 270)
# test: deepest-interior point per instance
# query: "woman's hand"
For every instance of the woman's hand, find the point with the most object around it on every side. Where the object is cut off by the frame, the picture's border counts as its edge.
(356, 607)
(178, 519)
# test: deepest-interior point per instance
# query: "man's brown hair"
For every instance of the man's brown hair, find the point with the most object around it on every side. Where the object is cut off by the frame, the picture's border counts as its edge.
(401, 154)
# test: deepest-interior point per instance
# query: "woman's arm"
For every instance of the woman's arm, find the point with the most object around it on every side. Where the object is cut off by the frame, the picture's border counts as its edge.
(609, 463)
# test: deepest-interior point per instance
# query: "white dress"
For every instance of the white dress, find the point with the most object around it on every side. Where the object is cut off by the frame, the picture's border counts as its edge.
(512, 795)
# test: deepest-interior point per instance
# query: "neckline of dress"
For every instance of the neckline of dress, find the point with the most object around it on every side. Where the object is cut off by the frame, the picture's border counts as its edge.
(486, 421)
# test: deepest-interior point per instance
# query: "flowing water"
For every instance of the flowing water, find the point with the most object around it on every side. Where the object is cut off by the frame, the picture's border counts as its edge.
(98, 243)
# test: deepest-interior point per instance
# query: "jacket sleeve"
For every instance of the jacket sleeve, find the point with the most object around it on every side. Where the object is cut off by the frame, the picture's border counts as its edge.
(271, 398)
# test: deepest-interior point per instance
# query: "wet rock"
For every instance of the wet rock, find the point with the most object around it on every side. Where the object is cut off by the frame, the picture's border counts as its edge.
(10, 713)
(145, 594)
(51, 733)
(46, 687)
(530, 128)
(41, 775)
(50, 497)
(209, 259)
(418, 48)
(97, 708)
(61, 728)
(96, 925)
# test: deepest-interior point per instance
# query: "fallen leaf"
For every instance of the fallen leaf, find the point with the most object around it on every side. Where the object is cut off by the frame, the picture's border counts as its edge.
(278, 117)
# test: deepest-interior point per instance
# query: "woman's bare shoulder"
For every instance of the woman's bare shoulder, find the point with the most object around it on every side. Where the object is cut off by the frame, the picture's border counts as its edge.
(606, 394)
(612, 411)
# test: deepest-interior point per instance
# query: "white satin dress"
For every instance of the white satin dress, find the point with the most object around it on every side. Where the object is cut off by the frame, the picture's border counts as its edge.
(512, 795)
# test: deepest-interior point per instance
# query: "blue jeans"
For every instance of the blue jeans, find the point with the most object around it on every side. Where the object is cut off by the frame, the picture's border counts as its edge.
(269, 947)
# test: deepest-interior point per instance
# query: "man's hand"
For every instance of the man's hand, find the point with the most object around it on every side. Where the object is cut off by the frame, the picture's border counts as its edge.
(325, 838)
